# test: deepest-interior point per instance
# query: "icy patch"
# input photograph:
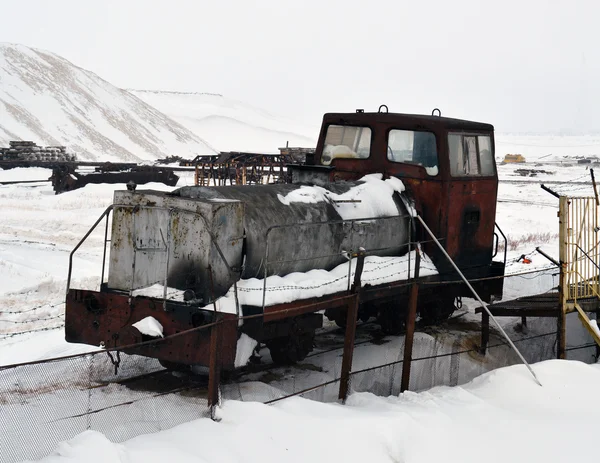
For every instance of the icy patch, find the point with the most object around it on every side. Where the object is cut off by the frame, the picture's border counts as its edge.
(244, 349)
(373, 198)
(149, 326)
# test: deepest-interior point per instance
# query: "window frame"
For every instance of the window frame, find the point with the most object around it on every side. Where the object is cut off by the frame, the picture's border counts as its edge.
(413, 164)
(338, 124)
(476, 136)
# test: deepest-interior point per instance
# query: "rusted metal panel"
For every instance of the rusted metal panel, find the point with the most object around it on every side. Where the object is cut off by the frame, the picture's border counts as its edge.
(101, 318)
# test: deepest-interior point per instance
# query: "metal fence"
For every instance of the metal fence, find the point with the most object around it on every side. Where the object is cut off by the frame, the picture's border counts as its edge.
(45, 403)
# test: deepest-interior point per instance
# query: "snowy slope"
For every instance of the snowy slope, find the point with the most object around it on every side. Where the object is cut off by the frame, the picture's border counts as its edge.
(230, 125)
(47, 99)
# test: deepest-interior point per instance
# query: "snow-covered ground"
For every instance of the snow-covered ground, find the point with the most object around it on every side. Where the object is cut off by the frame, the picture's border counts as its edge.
(39, 229)
(501, 416)
(51, 101)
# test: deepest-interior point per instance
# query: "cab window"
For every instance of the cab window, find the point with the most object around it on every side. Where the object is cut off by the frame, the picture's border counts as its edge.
(345, 141)
(470, 155)
(413, 147)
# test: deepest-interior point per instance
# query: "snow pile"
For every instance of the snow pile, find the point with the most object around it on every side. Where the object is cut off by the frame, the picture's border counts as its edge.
(244, 349)
(373, 198)
(149, 326)
(504, 415)
(318, 282)
(46, 99)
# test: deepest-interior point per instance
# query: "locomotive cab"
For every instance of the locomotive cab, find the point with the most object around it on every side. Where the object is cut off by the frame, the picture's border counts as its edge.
(448, 168)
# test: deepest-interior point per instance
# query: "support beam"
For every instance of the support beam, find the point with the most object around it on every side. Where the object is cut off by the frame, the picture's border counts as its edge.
(351, 329)
(214, 370)
(409, 337)
(485, 332)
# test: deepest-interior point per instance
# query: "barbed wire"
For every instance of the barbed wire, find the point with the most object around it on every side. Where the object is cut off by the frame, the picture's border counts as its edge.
(34, 320)
(18, 333)
(18, 312)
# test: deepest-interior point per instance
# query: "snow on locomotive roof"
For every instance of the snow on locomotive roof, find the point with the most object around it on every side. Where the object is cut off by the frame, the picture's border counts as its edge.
(372, 199)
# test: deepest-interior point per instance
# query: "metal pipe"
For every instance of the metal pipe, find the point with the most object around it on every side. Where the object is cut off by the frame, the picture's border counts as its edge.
(104, 253)
(553, 193)
(483, 305)
(554, 261)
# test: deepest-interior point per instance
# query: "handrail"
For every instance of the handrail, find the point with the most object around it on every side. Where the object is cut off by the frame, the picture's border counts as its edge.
(105, 213)
(505, 241)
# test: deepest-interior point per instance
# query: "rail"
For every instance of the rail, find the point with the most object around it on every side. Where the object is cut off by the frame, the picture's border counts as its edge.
(85, 237)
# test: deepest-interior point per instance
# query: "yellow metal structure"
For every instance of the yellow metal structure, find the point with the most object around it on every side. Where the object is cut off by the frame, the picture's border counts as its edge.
(579, 240)
(579, 236)
(513, 158)
(593, 329)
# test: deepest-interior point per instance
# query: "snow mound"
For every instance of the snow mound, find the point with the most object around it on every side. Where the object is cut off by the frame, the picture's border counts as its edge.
(495, 411)
(149, 326)
(46, 99)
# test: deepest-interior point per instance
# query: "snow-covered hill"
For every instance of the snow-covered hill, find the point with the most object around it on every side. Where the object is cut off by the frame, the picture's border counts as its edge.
(47, 99)
(230, 125)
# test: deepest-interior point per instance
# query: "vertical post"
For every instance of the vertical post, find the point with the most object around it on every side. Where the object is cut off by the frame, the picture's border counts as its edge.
(485, 332)
(595, 189)
(351, 317)
(563, 289)
(411, 317)
(214, 370)
(597, 345)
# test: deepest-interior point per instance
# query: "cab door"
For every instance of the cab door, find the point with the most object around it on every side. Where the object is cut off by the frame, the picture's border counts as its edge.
(472, 199)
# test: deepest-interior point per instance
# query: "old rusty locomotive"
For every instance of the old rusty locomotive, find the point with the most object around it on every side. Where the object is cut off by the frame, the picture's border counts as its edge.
(272, 260)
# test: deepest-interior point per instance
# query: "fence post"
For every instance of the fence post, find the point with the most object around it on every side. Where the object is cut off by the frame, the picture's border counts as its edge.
(485, 332)
(352, 311)
(214, 371)
(563, 290)
(411, 317)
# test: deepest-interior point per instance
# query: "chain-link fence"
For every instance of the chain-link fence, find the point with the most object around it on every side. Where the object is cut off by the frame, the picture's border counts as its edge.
(45, 403)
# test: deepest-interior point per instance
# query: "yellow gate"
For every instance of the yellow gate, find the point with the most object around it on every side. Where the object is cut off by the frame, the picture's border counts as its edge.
(579, 256)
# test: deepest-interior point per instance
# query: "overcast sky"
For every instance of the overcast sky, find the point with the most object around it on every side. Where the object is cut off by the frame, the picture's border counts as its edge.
(527, 65)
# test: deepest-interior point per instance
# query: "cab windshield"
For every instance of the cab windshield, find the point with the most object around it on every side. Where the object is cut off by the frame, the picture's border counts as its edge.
(346, 141)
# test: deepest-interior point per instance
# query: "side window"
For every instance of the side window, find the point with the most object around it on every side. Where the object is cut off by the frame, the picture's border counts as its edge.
(345, 141)
(413, 147)
(486, 157)
(470, 155)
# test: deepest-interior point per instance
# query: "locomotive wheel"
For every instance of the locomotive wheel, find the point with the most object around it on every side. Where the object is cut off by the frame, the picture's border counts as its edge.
(392, 321)
(292, 349)
(438, 311)
(174, 366)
